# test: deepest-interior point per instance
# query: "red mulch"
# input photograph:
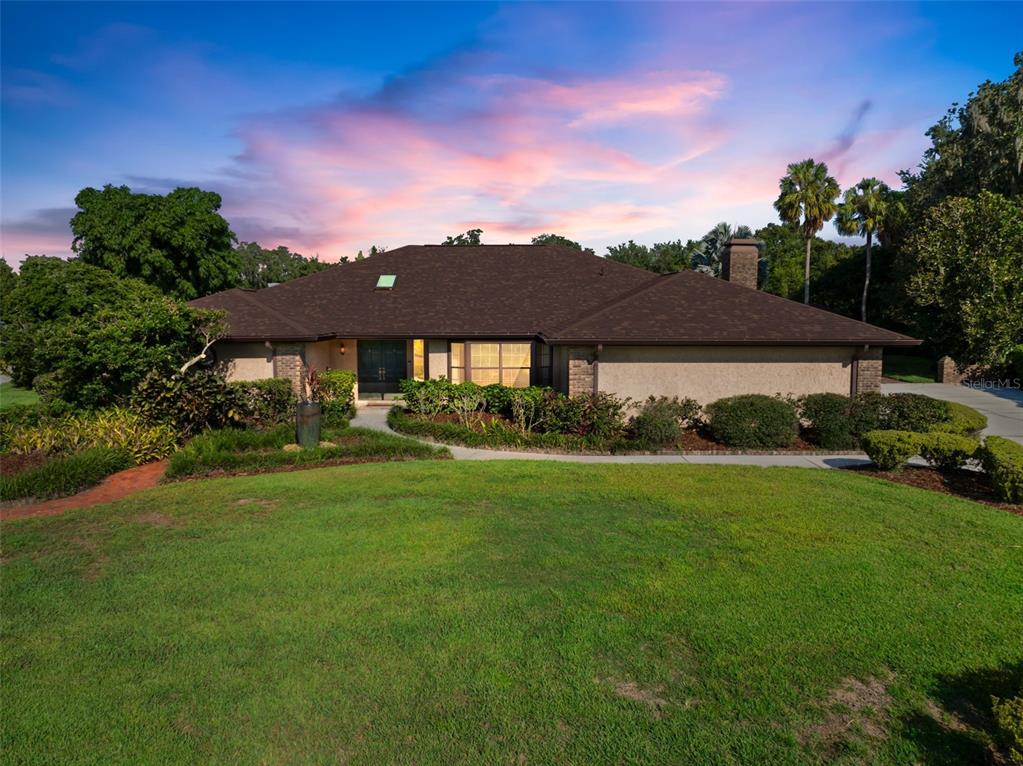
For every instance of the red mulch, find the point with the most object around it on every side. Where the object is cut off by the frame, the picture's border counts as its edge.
(115, 487)
(970, 485)
(11, 463)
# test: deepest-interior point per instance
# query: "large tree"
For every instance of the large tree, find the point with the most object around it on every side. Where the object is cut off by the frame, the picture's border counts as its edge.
(661, 258)
(864, 210)
(807, 199)
(260, 267)
(975, 146)
(80, 334)
(179, 243)
(557, 239)
(706, 257)
(967, 280)
(471, 237)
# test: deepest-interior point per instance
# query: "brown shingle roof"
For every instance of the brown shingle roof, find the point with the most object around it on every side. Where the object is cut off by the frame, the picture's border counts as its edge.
(555, 292)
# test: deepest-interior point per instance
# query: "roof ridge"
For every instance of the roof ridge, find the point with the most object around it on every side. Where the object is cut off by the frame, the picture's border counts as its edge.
(627, 295)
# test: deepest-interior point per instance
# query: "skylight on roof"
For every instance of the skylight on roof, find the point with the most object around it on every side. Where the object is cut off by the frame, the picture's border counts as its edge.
(386, 281)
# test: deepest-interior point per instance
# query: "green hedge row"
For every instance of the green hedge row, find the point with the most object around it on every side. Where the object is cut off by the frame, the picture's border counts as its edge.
(237, 450)
(1003, 461)
(64, 475)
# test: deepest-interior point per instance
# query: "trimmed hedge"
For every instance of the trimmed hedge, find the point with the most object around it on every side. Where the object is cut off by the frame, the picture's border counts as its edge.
(912, 412)
(961, 420)
(889, 450)
(947, 452)
(491, 434)
(661, 421)
(1003, 461)
(753, 421)
(236, 450)
(64, 475)
(835, 421)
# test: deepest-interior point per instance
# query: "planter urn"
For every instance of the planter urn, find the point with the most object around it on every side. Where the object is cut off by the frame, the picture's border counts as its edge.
(307, 424)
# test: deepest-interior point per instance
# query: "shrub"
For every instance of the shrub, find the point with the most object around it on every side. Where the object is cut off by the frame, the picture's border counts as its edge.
(962, 420)
(661, 420)
(830, 421)
(913, 412)
(947, 452)
(427, 397)
(498, 398)
(115, 428)
(1003, 461)
(190, 403)
(13, 418)
(1015, 361)
(467, 401)
(64, 475)
(889, 450)
(753, 421)
(265, 402)
(528, 408)
(337, 396)
(493, 435)
(1008, 716)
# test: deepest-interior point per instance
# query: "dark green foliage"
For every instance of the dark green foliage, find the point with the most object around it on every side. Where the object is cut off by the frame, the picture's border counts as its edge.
(661, 421)
(838, 422)
(662, 258)
(426, 397)
(557, 239)
(912, 412)
(471, 237)
(64, 475)
(237, 450)
(962, 420)
(337, 397)
(190, 403)
(753, 421)
(266, 402)
(492, 435)
(259, 267)
(600, 415)
(889, 450)
(1008, 715)
(947, 452)
(499, 398)
(967, 278)
(20, 416)
(178, 243)
(1016, 362)
(1003, 461)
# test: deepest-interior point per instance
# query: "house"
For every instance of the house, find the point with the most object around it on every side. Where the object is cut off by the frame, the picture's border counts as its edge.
(547, 315)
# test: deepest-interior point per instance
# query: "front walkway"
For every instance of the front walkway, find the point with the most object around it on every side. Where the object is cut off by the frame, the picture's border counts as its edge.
(376, 419)
(1002, 406)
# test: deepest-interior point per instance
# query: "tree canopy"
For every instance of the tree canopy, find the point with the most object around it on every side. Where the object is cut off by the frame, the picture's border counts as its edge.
(557, 239)
(968, 276)
(260, 267)
(806, 199)
(471, 237)
(179, 243)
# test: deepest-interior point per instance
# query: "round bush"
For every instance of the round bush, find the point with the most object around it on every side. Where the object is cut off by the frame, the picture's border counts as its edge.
(889, 450)
(753, 421)
(661, 421)
(947, 452)
(962, 420)
(913, 412)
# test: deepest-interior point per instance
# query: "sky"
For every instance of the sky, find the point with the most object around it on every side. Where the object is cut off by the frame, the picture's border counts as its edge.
(329, 128)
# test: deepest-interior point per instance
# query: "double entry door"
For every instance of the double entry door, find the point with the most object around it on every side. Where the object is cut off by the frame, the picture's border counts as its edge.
(382, 365)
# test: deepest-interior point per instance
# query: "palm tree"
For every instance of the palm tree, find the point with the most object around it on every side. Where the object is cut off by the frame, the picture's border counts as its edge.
(807, 199)
(864, 210)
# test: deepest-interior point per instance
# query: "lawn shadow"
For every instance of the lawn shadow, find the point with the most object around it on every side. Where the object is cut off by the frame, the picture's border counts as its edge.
(958, 727)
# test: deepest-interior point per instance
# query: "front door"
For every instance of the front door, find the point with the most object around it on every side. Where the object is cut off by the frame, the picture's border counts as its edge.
(381, 366)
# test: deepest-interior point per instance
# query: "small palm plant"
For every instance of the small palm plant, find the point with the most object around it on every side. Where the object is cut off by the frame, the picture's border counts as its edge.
(863, 211)
(807, 199)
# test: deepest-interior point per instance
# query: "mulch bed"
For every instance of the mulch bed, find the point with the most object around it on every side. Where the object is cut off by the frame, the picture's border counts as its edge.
(11, 464)
(970, 485)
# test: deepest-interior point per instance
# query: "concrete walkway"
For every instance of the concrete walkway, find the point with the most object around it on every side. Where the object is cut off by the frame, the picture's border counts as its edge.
(1002, 406)
(375, 417)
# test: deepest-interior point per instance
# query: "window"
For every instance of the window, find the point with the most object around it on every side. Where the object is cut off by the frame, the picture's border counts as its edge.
(419, 359)
(505, 363)
(545, 357)
(386, 281)
(457, 362)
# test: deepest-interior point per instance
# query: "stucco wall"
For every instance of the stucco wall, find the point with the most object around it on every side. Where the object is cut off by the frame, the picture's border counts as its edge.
(437, 350)
(326, 355)
(245, 361)
(707, 373)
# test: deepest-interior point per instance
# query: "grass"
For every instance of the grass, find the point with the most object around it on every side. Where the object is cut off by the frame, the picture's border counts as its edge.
(12, 396)
(237, 450)
(511, 612)
(64, 475)
(909, 369)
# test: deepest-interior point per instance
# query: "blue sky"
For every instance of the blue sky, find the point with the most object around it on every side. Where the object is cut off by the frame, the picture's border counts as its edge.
(331, 127)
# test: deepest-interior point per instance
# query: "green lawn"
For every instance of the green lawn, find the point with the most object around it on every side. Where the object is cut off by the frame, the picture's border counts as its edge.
(909, 369)
(511, 612)
(11, 395)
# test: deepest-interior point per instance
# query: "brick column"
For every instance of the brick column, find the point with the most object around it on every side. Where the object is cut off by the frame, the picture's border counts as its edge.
(581, 370)
(288, 364)
(948, 371)
(868, 371)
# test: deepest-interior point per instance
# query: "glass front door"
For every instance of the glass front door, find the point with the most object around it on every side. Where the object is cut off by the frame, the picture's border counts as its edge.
(381, 366)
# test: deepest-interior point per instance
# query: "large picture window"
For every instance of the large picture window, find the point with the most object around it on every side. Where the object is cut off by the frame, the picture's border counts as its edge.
(490, 362)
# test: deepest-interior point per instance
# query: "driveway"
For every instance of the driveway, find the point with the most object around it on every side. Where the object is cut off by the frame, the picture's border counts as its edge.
(1002, 406)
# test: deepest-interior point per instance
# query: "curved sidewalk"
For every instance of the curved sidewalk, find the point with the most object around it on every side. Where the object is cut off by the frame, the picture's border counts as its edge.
(375, 417)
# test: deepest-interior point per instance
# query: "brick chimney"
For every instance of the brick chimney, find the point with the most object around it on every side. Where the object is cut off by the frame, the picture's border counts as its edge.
(739, 262)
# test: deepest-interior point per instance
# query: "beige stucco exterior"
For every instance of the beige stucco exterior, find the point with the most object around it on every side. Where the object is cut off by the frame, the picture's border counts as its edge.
(245, 361)
(707, 373)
